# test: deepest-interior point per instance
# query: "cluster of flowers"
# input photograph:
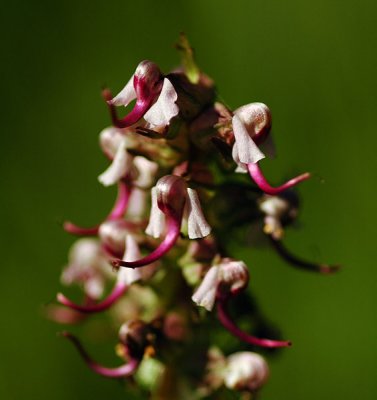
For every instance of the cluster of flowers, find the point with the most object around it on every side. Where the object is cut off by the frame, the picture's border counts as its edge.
(173, 158)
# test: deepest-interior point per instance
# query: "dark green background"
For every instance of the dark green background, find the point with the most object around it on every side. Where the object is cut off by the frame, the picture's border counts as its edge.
(312, 62)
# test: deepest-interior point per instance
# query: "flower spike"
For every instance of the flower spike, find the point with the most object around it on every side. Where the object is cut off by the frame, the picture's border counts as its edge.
(258, 177)
(117, 372)
(118, 211)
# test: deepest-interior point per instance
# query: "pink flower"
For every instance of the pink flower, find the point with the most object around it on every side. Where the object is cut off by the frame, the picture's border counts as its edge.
(125, 277)
(223, 281)
(251, 124)
(155, 98)
(172, 202)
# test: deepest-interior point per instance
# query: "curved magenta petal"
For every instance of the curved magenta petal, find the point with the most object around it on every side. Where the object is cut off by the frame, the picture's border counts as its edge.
(257, 175)
(293, 260)
(117, 372)
(121, 203)
(117, 292)
(118, 211)
(174, 227)
(225, 319)
(140, 108)
(79, 230)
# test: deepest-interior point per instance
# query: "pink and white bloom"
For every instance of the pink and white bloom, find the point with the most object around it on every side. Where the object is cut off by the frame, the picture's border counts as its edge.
(222, 282)
(231, 273)
(125, 277)
(251, 124)
(88, 267)
(155, 98)
(172, 202)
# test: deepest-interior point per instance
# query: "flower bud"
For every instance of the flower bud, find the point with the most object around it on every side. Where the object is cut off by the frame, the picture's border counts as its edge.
(134, 335)
(245, 371)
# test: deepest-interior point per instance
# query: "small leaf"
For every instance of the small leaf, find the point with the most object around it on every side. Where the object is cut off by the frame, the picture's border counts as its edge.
(191, 69)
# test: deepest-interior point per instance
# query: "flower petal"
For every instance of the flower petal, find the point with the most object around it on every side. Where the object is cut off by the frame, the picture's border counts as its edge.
(118, 168)
(165, 108)
(157, 218)
(198, 227)
(205, 294)
(246, 150)
(132, 253)
(126, 95)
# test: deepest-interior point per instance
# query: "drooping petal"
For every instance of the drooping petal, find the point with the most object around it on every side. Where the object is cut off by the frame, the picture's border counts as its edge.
(156, 219)
(198, 227)
(126, 95)
(118, 290)
(125, 278)
(165, 108)
(173, 231)
(227, 322)
(117, 372)
(121, 203)
(245, 150)
(118, 168)
(257, 175)
(132, 253)
(205, 294)
(297, 262)
(146, 171)
(118, 211)
(110, 139)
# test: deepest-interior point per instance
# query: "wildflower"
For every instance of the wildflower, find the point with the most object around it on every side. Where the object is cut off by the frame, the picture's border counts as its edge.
(162, 151)
(279, 211)
(155, 98)
(87, 266)
(228, 273)
(133, 341)
(172, 201)
(223, 281)
(125, 277)
(251, 124)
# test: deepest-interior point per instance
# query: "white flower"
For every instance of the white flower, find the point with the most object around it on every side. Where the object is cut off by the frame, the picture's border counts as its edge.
(119, 167)
(249, 123)
(234, 274)
(197, 225)
(245, 371)
(165, 108)
(87, 266)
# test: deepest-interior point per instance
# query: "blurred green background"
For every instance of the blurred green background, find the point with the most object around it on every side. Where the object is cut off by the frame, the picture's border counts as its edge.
(313, 63)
